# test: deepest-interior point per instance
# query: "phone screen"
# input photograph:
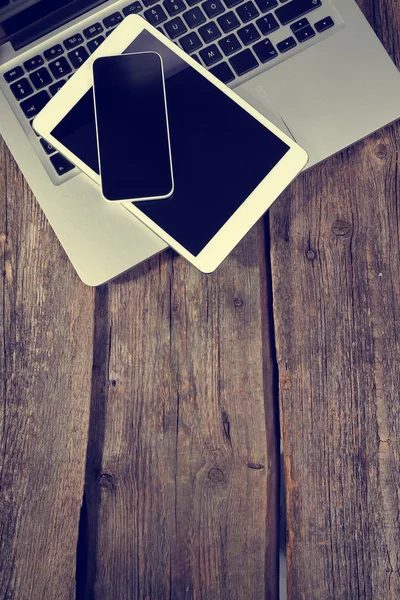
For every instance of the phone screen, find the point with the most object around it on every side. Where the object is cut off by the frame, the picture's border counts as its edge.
(132, 127)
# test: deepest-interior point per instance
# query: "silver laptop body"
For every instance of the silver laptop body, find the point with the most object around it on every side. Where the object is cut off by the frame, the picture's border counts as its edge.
(315, 75)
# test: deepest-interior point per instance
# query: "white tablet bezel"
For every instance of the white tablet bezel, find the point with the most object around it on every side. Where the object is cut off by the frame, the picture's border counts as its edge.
(250, 210)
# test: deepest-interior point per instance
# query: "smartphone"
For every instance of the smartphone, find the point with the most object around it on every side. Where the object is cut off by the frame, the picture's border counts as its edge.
(132, 127)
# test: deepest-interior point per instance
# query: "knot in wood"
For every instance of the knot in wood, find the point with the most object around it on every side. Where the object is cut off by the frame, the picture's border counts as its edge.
(311, 254)
(238, 302)
(381, 151)
(341, 228)
(106, 481)
(216, 475)
(255, 466)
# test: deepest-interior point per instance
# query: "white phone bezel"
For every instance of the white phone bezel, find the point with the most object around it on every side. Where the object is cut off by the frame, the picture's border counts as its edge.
(99, 58)
(250, 210)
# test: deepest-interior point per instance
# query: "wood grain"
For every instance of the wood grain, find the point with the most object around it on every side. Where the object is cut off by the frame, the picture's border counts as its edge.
(336, 281)
(182, 491)
(46, 337)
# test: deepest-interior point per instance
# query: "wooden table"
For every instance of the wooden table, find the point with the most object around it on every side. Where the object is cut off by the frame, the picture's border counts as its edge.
(139, 422)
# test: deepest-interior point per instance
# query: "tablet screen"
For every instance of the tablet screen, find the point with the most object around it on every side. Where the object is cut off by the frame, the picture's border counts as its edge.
(220, 153)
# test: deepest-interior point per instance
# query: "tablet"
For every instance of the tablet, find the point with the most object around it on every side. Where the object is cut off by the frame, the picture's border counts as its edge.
(230, 162)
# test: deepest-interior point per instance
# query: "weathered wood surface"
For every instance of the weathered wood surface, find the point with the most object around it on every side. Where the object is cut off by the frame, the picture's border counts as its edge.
(336, 290)
(178, 417)
(46, 338)
(182, 490)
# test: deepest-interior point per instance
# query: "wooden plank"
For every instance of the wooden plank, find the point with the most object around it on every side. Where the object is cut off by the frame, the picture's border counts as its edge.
(45, 374)
(336, 282)
(182, 490)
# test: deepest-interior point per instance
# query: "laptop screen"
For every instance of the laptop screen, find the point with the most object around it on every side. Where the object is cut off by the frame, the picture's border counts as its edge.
(24, 21)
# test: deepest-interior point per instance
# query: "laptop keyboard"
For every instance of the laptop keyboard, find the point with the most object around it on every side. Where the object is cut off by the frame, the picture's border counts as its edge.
(232, 38)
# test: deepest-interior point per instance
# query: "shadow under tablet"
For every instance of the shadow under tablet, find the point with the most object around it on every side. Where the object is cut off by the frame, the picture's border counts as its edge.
(220, 153)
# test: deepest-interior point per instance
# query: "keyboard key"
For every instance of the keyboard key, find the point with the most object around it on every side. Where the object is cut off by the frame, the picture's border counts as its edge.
(149, 2)
(155, 15)
(230, 44)
(78, 56)
(210, 55)
(13, 74)
(73, 41)
(33, 63)
(175, 28)
(32, 106)
(305, 34)
(223, 72)
(267, 24)
(326, 23)
(56, 87)
(60, 67)
(94, 44)
(232, 3)
(190, 42)
(112, 20)
(21, 89)
(47, 147)
(228, 22)
(132, 9)
(213, 8)
(194, 17)
(247, 12)
(61, 164)
(40, 78)
(173, 7)
(192, 2)
(248, 34)
(265, 51)
(286, 45)
(92, 31)
(266, 5)
(295, 9)
(196, 58)
(243, 62)
(53, 52)
(209, 32)
(299, 25)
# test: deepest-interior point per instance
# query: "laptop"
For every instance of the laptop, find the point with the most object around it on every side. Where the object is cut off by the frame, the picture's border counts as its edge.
(310, 66)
